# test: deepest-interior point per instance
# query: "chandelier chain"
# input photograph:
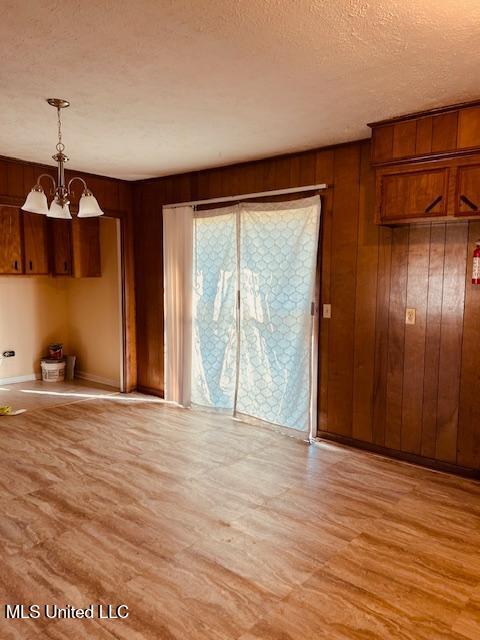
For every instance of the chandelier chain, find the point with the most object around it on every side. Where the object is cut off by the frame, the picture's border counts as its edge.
(60, 146)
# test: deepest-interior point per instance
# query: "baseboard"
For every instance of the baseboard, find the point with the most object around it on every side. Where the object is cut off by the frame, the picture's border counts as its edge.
(91, 377)
(412, 458)
(28, 378)
(83, 375)
(150, 391)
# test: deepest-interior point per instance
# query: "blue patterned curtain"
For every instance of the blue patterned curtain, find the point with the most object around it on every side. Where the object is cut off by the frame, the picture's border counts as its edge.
(278, 250)
(255, 359)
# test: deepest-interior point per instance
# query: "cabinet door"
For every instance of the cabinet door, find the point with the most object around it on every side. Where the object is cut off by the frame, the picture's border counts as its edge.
(469, 128)
(86, 247)
(382, 144)
(10, 241)
(35, 243)
(61, 247)
(467, 201)
(414, 194)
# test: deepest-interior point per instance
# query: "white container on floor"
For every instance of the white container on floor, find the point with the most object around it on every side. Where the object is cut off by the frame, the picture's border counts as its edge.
(53, 370)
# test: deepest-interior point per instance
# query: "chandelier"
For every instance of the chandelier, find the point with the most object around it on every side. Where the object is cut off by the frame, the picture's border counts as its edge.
(36, 201)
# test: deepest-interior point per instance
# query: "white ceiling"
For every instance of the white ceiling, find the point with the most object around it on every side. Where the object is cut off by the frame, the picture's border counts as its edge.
(164, 86)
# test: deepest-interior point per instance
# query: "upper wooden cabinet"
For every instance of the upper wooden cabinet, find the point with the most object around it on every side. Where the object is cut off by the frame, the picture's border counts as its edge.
(32, 244)
(11, 258)
(60, 247)
(435, 133)
(427, 165)
(413, 194)
(75, 247)
(35, 244)
(468, 128)
(440, 190)
(86, 247)
(467, 193)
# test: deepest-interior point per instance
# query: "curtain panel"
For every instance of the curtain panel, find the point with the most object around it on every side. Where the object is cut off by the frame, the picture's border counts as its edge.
(177, 263)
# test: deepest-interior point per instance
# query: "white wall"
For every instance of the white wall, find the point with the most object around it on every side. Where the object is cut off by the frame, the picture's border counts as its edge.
(33, 313)
(93, 314)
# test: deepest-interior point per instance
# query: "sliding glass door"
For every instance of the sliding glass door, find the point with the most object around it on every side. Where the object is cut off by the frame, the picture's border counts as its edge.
(254, 283)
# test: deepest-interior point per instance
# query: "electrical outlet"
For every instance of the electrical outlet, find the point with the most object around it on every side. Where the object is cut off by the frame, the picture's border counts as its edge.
(327, 310)
(410, 316)
(8, 354)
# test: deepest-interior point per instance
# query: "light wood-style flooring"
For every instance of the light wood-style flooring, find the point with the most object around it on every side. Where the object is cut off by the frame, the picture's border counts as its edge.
(37, 394)
(212, 529)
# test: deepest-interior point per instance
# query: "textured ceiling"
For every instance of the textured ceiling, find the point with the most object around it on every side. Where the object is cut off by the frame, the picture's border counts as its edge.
(160, 87)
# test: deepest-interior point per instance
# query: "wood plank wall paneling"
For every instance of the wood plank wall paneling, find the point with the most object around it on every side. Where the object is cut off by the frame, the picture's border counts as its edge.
(451, 333)
(396, 337)
(365, 305)
(468, 452)
(423, 142)
(343, 288)
(432, 340)
(149, 290)
(414, 352)
(381, 335)
(410, 391)
(324, 167)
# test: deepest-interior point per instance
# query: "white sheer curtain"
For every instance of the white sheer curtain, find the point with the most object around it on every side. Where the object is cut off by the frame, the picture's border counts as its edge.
(177, 261)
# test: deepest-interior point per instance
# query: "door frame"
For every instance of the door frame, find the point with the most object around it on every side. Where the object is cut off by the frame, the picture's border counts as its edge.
(127, 298)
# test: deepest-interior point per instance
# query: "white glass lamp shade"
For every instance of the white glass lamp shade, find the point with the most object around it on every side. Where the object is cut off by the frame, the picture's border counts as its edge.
(88, 207)
(36, 202)
(59, 212)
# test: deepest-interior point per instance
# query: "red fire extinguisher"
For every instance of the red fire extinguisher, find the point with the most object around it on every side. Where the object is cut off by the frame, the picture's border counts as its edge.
(476, 264)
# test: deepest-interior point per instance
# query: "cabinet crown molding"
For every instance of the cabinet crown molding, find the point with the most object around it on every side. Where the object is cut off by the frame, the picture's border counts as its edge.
(425, 113)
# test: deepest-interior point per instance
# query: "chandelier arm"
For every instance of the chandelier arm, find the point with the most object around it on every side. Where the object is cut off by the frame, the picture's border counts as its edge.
(85, 188)
(46, 175)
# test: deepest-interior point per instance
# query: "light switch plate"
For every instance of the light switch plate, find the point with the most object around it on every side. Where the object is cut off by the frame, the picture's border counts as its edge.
(327, 310)
(410, 316)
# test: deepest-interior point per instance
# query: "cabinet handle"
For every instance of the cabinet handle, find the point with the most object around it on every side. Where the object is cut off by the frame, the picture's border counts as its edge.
(433, 204)
(65, 266)
(469, 203)
(30, 264)
(15, 265)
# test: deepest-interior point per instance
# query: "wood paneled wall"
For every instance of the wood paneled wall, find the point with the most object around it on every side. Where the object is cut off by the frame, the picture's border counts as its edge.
(410, 391)
(116, 199)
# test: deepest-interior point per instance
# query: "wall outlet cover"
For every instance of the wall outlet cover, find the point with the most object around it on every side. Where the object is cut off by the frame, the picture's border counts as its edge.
(410, 316)
(327, 310)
